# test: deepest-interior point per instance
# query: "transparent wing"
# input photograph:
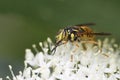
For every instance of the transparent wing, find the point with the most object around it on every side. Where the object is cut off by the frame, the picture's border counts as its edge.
(101, 33)
(85, 24)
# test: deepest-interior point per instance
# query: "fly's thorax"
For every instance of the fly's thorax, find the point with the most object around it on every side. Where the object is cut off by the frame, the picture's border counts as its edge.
(72, 34)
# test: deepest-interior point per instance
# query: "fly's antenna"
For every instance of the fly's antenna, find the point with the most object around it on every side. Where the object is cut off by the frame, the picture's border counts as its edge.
(54, 49)
(56, 45)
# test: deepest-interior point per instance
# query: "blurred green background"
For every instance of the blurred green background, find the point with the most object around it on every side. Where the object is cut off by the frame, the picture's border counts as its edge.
(27, 22)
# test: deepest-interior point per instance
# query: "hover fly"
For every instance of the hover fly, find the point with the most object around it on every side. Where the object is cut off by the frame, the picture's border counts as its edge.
(80, 32)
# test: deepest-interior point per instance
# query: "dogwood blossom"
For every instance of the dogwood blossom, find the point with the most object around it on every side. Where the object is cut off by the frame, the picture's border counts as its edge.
(69, 62)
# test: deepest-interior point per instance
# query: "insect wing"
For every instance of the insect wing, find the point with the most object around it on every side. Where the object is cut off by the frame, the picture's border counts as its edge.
(85, 24)
(102, 33)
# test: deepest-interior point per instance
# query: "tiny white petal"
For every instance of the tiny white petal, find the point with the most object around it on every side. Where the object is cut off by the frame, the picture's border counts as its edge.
(49, 40)
(29, 55)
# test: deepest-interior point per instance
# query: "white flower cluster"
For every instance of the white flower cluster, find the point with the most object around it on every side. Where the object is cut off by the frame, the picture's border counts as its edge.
(69, 62)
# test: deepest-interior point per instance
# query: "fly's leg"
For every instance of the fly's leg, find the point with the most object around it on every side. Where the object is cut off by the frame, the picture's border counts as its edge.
(71, 57)
(92, 42)
(84, 46)
(76, 48)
